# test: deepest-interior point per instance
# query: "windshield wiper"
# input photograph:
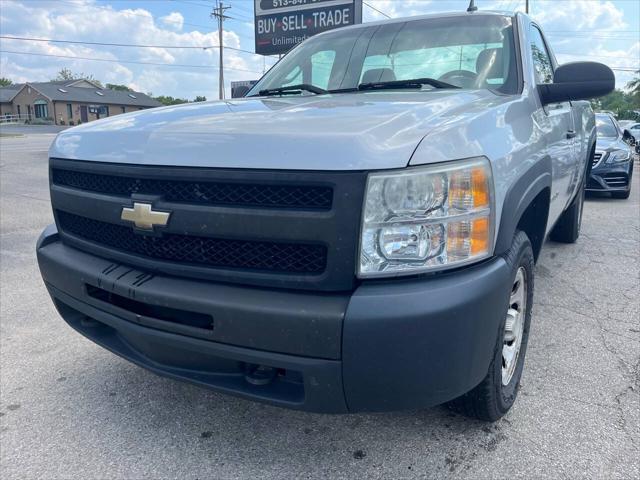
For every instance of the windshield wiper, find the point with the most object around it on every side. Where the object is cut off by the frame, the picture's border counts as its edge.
(413, 83)
(292, 89)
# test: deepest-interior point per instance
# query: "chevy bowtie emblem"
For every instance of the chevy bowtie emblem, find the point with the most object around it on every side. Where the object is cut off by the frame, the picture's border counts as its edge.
(144, 216)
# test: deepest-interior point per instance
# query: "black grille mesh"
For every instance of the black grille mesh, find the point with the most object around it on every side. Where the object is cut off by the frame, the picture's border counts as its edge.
(211, 193)
(203, 251)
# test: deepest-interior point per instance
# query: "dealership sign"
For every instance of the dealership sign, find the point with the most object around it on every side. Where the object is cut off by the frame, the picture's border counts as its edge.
(281, 24)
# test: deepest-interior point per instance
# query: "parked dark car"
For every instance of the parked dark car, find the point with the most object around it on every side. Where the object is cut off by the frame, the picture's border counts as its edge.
(613, 162)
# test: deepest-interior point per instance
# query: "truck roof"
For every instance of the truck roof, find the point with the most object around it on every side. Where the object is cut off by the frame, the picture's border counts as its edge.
(492, 13)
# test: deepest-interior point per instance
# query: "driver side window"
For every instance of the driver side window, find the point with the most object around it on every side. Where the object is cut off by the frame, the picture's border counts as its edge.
(541, 59)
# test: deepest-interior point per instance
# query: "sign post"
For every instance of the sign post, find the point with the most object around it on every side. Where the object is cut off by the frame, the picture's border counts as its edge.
(281, 24)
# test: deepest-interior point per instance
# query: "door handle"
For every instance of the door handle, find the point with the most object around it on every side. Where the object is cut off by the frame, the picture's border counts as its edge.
(571, 134)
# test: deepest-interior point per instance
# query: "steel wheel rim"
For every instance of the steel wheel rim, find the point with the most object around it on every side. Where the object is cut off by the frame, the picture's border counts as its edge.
(514, 326)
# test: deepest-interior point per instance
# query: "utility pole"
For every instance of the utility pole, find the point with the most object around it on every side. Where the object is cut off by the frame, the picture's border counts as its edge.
(526, 9)
(218, 13)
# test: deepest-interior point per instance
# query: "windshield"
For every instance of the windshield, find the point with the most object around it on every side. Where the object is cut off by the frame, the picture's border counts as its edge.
(471, 52)
(605, 126)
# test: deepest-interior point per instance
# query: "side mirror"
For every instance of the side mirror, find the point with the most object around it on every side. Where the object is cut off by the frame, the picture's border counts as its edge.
(627, 137)
(578, 81)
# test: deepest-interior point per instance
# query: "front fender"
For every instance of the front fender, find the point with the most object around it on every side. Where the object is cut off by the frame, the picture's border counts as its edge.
(518, 198)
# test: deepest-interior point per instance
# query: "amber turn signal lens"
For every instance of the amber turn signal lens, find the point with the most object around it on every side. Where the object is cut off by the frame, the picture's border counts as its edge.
(479, 236)
(469, 189)
(479, 188)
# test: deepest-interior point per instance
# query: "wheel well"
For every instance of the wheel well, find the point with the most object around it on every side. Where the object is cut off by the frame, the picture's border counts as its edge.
(533, 221)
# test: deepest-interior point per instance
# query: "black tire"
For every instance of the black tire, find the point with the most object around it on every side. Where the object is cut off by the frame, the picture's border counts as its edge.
(490, 400)
(567, 229)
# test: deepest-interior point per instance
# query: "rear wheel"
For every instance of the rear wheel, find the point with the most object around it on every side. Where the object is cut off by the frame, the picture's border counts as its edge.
(497, 392)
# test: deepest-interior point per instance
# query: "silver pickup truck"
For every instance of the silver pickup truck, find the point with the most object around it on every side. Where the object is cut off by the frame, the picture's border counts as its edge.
(358, 234)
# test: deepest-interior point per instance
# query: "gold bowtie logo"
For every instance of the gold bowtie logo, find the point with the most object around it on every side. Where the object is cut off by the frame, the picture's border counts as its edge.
(144, 216)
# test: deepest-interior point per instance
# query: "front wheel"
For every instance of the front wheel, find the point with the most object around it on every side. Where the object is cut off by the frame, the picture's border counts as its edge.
(497, 392)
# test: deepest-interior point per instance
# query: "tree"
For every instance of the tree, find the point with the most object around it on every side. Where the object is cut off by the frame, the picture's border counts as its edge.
(120, 88)
(5, 82)
(168, 100)
(634, 89)
(200, 98)
(66, 74)
(623, 105)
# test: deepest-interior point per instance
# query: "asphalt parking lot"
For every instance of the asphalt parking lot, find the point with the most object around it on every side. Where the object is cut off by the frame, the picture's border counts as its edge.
(69, 409)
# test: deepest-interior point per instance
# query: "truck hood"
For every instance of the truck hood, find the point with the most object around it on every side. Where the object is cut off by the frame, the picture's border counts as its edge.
(359, 131)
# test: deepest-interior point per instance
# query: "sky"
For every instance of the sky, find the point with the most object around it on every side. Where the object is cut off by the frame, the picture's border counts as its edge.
(607, 31)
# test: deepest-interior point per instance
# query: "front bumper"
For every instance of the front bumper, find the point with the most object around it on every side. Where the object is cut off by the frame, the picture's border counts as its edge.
(388, 345)
(610, 177)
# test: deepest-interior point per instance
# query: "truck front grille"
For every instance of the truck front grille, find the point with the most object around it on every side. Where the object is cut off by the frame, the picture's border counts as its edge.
(292, 229)
(307, 197)
(203, 251)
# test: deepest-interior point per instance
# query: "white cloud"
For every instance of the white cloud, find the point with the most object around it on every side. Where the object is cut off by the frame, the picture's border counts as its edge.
(54, 20)
(119, 74)
(88, 20)
(174, 21)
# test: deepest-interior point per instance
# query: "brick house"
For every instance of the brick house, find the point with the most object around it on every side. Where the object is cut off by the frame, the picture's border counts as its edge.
(6, 95)
(69, 102)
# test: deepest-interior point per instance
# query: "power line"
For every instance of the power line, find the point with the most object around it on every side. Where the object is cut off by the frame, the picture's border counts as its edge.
(620, 69)
(79, 42)
(165, 20)
(377, 10)
(125, 61)
(240, 6)
(204, 5)
(148, 17)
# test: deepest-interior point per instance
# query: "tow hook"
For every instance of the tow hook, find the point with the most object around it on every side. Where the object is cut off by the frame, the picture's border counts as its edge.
(259, 374)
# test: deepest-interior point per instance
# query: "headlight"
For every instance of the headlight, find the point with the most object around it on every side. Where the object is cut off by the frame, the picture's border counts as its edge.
(427, 218)
(618, 156)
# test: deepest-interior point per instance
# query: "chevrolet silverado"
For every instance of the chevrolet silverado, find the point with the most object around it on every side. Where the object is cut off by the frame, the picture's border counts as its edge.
(358, 233)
